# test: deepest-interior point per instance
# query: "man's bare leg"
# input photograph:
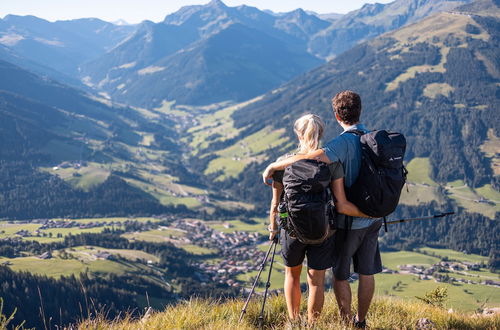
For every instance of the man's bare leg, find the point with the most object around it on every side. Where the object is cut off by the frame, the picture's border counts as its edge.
(365, 294)
(292, 290)
(343, 295)
(316, 298)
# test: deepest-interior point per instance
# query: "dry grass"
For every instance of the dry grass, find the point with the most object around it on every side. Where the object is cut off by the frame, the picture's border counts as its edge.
(386, 313)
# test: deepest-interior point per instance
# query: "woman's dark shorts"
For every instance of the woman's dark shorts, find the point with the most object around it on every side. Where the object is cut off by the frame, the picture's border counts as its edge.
(319, 257)
(360, 245)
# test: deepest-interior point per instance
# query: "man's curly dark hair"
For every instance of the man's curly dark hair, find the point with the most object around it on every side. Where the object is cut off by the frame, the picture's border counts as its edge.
(347, 105)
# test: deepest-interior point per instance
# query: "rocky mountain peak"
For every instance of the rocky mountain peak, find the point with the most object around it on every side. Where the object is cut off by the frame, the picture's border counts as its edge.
(216, 4)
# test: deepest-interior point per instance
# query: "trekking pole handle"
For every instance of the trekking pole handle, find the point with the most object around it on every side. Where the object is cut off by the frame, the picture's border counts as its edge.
(276, 238)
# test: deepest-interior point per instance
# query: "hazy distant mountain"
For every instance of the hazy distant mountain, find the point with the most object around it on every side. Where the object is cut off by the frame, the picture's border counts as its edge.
(205, 54)
(300, 24)
(235, 64)
(9, 55)
(372, 20)
(121, 22)
(60, 45)
(329, 17)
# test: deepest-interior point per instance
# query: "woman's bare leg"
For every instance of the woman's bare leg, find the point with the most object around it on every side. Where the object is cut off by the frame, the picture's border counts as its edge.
(292, 290)
(316, 298)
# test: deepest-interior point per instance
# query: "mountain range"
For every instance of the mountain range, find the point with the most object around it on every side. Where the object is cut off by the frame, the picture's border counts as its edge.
(181, 59)
(176, 59)
(211, 89)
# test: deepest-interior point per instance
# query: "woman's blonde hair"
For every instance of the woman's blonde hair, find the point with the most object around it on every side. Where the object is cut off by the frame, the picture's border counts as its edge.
(309, 129)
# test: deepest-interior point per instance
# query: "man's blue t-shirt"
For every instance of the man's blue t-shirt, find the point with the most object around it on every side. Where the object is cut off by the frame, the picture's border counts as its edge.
(346, 149)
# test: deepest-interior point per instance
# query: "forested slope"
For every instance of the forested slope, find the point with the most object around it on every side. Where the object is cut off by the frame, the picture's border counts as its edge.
(45, 123)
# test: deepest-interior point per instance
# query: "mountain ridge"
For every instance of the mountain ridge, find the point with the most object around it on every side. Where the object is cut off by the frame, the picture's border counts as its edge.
(372, 20)
(304, 34)
(60, 45)
(179, 34)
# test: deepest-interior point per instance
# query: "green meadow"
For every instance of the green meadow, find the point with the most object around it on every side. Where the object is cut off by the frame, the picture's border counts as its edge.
(419, 171)
(259, 225)
(422, 189)
(464, 297)
(455, 255)
(392, 260)
(56, 267)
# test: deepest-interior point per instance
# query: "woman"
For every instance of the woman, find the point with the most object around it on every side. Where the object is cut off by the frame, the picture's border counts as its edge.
(309, 130)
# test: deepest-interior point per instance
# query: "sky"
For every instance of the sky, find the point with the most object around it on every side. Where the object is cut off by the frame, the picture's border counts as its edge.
(135, 11)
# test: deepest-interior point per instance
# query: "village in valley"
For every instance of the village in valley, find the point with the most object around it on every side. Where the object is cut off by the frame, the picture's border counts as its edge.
(443, 272)
(238, 250)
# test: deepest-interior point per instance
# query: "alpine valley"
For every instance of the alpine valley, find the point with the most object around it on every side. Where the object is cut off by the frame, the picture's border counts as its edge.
(130, 155)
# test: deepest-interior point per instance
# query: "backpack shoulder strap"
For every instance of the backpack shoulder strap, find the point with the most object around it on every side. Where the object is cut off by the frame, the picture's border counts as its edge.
(356, 132)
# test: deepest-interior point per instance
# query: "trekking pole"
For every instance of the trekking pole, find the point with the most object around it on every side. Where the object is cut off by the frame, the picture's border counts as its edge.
(268, 284)
(262, 265)
(441, 215)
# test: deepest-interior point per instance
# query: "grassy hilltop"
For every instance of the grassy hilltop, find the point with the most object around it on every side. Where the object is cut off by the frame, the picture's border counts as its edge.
(386, 313)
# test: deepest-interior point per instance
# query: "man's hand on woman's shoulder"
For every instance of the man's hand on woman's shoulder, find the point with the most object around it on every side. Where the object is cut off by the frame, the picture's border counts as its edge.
(267, 175)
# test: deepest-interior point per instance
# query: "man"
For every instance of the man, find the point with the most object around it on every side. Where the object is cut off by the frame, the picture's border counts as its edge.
(360, 242)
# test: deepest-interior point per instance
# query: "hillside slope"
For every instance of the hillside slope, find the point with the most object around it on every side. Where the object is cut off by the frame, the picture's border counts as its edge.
(66, 153)
(371, 21)
(385, 313)
(44, 124)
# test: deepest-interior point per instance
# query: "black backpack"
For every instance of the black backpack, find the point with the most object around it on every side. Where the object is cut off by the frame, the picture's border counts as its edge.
(307, 199)
(382, 175)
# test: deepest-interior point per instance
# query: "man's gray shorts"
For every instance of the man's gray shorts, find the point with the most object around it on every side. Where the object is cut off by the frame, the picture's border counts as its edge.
(360, 245)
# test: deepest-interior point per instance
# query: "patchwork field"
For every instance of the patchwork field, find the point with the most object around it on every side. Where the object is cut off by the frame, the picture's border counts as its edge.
(233, 159)
(392, 260)
(32, 232)
(254, 225)
(454, 255)
(171, 235)
(422, 189)
(88, 253)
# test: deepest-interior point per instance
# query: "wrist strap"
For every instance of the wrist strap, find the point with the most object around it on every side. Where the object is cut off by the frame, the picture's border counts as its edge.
(272, 231)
